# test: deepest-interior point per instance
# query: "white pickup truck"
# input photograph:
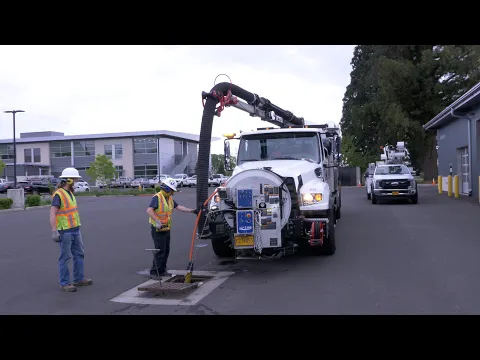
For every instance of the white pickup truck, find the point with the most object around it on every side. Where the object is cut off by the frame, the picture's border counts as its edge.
(393, 181)
(191, 181)
(217, 179)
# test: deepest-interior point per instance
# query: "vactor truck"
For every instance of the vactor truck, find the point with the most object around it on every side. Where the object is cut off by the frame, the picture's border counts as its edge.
(284, 193)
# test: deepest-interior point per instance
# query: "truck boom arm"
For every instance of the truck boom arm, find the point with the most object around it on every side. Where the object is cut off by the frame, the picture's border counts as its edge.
(226, 94)
(254, 105)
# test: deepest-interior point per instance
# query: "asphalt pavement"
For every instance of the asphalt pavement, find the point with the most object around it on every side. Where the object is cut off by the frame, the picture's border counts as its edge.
(391, 259)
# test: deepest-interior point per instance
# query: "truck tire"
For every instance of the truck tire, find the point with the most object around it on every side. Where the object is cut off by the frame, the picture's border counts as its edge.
(329, 246)
(221, 248)
(338, 212)
(414, 198)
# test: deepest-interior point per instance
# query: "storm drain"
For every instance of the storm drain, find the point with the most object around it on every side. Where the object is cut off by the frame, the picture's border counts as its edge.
(173, 290)
(174, 286)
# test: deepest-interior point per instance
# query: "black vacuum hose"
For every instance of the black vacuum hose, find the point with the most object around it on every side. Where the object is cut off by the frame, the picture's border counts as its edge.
(205, 139)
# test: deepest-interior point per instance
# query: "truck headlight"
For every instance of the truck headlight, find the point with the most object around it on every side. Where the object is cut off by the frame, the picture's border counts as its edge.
(311, 198)
(412, 183)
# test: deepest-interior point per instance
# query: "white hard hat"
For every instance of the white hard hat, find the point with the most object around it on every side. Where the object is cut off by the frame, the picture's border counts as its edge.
(171, 183)
(70, 173)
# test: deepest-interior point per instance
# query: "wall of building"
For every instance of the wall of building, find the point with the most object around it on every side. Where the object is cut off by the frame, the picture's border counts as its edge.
(126, 159)
(44, 152)
(167, 155)
(450, 139)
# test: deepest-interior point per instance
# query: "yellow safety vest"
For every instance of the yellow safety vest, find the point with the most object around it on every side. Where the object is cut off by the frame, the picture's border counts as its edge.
(67, 216)
(164, 212)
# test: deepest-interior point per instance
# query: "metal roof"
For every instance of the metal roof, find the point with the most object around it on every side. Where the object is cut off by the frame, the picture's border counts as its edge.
(164, 133)
(465, 102)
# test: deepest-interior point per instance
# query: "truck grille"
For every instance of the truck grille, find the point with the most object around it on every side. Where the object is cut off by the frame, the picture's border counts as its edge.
(394, 184)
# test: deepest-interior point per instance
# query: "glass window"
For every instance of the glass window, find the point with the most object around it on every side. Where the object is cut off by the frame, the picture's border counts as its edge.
(145, 146)
(279, 146)
(36, 155)
(119, 171)
(60, 149)
(118, 151)
(84, 148)
(108, 151)
(27, 153)
(145, 171)
(392, 170)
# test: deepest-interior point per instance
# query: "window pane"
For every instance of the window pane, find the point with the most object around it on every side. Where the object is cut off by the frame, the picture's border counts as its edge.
(108, 151)
(61, 149)
(36, 155)
(118, 151)
(27, 153)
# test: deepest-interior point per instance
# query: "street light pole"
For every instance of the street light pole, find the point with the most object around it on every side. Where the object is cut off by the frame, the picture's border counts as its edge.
(14, 148)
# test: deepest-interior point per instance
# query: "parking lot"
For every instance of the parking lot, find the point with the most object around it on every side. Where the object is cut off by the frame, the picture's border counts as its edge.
(390, 259)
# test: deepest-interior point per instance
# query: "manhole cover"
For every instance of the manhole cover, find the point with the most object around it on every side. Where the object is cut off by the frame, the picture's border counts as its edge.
(174, 285)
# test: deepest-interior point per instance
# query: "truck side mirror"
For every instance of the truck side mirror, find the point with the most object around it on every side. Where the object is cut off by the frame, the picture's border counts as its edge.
(226, 152)
(338, 145)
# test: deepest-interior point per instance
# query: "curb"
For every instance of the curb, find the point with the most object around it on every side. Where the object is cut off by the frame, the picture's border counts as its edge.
(11, 210)
(37, 207)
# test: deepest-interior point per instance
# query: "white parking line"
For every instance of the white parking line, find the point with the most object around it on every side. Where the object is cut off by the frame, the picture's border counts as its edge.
(133, 296)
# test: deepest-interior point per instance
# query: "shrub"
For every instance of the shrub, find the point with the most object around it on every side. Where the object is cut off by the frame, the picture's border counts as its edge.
(33, 200)
(157, 189)
(6, 203)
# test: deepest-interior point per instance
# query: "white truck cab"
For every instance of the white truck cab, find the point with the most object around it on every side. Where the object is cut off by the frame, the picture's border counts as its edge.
(286, 184)
(393, 181)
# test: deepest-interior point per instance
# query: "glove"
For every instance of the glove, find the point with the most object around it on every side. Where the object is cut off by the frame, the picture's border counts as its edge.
(196, 211)
(158, 224)
(55, 236)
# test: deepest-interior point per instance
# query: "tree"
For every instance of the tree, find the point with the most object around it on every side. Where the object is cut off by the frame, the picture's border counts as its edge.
(218, 166)
(101, 169)
(2, 166)
(395, 89)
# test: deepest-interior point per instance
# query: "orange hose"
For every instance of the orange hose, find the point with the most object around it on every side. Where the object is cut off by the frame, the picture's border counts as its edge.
(192, 246)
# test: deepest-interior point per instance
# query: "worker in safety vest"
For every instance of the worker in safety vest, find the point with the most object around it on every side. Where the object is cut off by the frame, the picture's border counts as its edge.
(160, 218)
(65, 224)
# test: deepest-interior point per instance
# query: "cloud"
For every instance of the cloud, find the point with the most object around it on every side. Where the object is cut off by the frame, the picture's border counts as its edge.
(95, 89)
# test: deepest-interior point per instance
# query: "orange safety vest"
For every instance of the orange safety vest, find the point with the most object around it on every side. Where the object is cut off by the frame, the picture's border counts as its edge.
(67, 215)
(164, 212)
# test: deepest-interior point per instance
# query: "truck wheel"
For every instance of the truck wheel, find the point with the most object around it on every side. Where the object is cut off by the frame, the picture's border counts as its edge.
(338, 212)
(221, 247)
(414, 198)
(374, 199)
(329, 246)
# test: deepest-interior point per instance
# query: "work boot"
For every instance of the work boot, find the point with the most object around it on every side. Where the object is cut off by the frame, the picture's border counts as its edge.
(68, 288)
(83, 282)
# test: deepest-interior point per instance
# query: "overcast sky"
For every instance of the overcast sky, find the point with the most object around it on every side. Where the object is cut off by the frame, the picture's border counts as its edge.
(98, 89)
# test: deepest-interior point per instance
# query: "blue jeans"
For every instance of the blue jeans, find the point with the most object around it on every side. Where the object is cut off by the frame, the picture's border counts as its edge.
(70, 245)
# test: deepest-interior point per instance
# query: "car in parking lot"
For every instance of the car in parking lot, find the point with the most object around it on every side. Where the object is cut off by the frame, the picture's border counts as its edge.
(5, 185)
(143, 182)
(191, 181)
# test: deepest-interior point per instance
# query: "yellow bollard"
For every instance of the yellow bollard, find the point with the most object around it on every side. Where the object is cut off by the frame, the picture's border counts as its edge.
(449, 182)
(140, 187)
(440, 183)
(456, 187)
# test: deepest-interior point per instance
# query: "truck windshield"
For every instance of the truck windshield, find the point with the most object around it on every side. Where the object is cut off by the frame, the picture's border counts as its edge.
(279, 146)
(389, 170)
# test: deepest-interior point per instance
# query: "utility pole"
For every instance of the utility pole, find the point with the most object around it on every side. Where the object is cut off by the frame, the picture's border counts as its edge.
(14, 148)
